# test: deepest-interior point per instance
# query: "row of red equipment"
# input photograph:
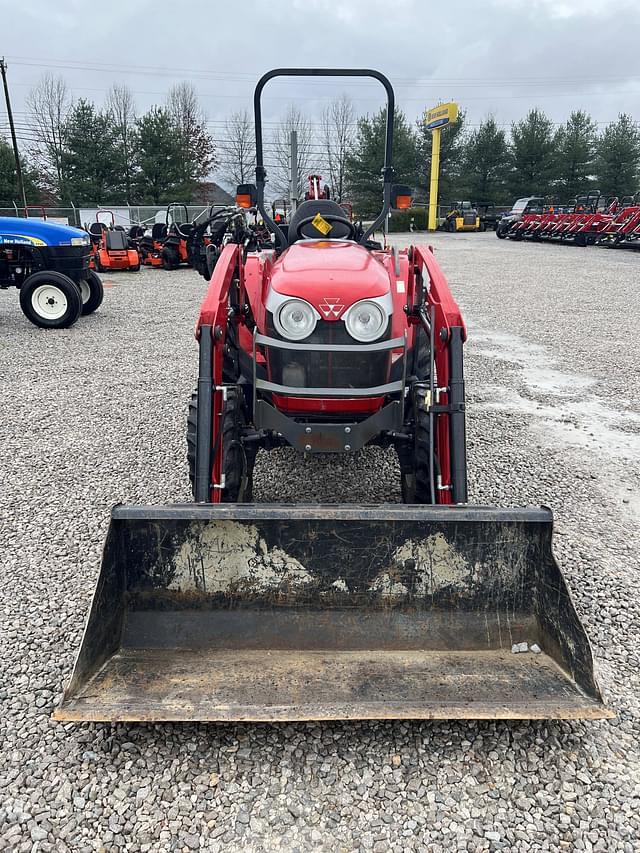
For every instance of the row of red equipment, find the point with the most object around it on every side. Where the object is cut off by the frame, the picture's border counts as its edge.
(593, 219)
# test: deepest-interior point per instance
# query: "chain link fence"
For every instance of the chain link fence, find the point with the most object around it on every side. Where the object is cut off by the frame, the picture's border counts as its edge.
(123, 214)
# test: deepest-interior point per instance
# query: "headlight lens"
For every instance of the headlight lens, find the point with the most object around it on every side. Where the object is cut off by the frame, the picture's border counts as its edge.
(365, 321)
(295, 320)
(80, 241)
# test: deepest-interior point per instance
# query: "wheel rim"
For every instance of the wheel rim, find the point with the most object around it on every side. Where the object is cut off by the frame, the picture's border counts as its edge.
(85, 291)
(49, 302)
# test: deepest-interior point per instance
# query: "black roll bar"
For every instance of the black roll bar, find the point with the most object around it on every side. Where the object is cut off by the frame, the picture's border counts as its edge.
(387, 170)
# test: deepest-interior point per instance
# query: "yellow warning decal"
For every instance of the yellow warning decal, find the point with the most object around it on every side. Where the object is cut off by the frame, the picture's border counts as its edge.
(321, 224)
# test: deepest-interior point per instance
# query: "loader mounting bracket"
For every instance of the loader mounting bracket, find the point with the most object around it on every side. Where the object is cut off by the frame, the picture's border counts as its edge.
(327, 437)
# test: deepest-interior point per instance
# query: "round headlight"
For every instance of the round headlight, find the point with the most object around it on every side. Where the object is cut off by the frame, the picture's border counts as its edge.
(365, 321)
(295, 320)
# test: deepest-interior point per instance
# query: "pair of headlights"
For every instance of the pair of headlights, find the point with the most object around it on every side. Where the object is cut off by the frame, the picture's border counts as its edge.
(296, 320)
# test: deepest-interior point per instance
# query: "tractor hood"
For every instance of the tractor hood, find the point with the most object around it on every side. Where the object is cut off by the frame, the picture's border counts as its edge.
(330, 275)
(33, 232)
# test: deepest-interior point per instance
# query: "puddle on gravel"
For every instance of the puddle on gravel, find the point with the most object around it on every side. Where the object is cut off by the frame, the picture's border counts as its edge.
(556, 382)
(561, 404)
(506, 347)
(586, 423)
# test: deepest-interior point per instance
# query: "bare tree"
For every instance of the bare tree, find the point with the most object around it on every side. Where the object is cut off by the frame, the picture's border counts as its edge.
(338, 128)
(280, 151)
(121, 105)
(238, 149)
(196, 144)
(48, 105)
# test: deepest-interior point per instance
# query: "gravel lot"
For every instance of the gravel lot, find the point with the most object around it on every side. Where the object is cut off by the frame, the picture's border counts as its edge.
(95, 415)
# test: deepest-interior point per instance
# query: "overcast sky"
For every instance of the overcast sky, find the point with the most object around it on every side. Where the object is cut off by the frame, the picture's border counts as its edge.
(495, 56)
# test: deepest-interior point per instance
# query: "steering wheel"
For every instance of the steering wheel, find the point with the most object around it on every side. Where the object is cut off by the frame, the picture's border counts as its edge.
(328, 217)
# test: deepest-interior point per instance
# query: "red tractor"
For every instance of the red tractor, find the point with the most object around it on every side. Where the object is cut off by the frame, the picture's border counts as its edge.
(231, 611)
(328, 343)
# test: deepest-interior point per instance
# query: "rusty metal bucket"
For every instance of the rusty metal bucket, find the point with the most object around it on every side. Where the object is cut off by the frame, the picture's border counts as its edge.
(250, 612)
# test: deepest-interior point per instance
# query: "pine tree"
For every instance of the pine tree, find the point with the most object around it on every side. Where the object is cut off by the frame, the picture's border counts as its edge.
(8, 181)
(575, 143)
(364, 164)
(533, 160)
(618, 158)
(485, 162)
(89, 159)
(158, 159)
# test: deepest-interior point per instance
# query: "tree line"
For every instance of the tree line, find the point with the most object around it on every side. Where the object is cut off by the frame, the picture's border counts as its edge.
(86, 154)
(487, 163)
(77, 152)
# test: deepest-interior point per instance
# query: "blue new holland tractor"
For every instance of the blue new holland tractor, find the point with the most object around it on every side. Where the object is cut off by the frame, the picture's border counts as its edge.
(49, 264)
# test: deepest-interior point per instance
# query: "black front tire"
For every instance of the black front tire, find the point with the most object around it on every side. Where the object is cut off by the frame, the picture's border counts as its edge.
(50, 300)
(415, 486)
(92, 293)
(237, 464)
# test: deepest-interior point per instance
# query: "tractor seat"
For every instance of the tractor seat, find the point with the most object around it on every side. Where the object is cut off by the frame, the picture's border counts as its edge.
(117, 241)
(159, 231)
(325, 207)
(183, 229)
(96, 229)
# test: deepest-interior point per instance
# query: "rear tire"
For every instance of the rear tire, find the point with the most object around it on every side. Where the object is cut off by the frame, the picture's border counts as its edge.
(92, 293)
(50, 300)
(170, 259)
(237, 464)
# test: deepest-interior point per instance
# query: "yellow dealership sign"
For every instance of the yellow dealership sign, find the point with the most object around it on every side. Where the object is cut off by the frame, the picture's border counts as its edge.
(441, 115)
(435, 119)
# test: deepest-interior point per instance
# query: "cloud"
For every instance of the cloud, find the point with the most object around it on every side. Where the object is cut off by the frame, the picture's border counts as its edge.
(498, 56)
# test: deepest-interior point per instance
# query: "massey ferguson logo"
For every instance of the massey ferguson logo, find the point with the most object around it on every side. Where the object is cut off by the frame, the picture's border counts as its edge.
(331, 308)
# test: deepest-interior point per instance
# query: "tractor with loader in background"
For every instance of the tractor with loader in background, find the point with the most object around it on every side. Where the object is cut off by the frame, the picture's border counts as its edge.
(328, 341)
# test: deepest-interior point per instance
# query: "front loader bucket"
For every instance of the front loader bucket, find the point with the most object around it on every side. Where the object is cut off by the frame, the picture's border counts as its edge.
(250, 612)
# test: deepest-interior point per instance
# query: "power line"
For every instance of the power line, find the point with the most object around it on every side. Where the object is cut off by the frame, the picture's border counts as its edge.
(251, 77)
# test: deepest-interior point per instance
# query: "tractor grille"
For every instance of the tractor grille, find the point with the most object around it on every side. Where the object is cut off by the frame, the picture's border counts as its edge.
(327, 369)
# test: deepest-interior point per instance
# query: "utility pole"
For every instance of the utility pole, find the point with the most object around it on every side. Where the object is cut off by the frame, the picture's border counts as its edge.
(16, 154)
(293, 184)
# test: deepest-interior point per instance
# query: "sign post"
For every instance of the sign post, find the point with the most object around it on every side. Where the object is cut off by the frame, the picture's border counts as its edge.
(436, 119)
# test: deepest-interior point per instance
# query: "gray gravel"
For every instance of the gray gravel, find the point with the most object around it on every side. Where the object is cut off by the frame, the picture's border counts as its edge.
(95, 415)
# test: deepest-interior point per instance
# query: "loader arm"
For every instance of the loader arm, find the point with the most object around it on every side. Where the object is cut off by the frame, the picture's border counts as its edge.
(211, 332)
(449, 335)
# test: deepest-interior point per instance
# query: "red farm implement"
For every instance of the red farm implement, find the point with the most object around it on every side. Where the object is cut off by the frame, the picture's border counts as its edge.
(592, 218)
